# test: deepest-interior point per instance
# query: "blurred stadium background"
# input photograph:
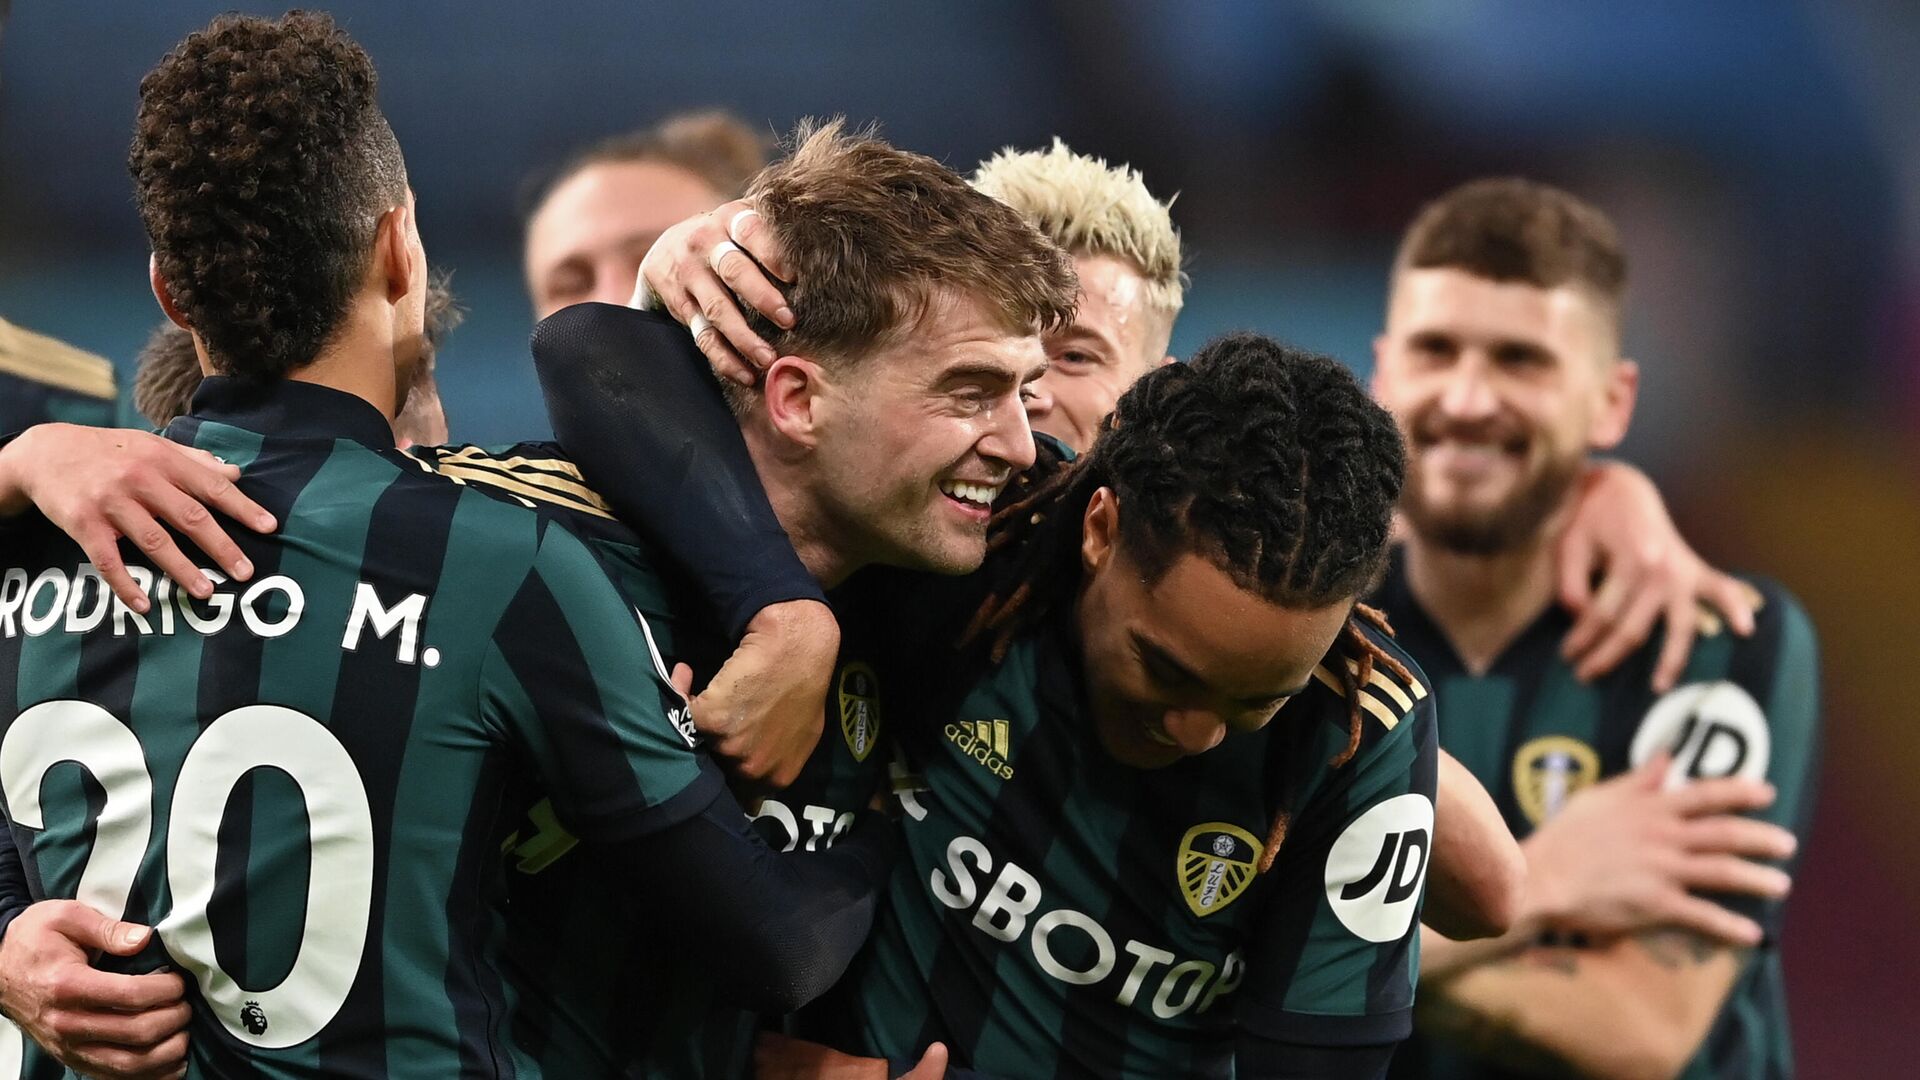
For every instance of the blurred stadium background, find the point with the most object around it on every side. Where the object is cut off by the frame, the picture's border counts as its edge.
(1760, 156)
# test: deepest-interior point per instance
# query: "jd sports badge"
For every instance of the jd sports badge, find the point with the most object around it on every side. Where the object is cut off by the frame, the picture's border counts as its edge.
(859, 709)
(1712, 729)
(1548, 770)
(1216, 863)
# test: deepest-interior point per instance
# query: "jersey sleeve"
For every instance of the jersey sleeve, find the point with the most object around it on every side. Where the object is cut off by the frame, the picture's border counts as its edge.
(574, 676)
(1334, 957)
(1771, 708)
(636, 405)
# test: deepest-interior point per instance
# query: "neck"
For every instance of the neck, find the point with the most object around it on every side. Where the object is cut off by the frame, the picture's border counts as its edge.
(820, 543)
(1481, 603)
(358, 359)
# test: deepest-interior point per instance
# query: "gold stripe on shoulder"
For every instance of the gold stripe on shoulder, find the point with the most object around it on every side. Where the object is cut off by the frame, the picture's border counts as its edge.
(557, 483)
(51, 362)
(493, 478)
(1388, 717)
(1329, 679)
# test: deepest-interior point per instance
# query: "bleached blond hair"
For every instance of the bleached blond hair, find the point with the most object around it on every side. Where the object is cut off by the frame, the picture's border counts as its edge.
(1088, 207)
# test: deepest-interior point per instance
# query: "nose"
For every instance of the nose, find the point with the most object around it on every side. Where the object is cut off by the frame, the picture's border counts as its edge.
(1008, 438)
(1040, 404)
(1195, 730)
(1469, 394)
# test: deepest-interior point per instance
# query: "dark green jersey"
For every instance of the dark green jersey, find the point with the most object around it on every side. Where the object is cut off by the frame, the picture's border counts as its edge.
(1534, 735)
(1062, 915)
(304, 781)
(616, 996)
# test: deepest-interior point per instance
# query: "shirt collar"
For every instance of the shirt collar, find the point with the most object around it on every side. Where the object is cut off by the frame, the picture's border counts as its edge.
(289, 408)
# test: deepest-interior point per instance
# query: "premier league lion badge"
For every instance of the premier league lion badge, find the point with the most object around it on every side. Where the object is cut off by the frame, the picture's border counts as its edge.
(1215, 865)
(859, 709)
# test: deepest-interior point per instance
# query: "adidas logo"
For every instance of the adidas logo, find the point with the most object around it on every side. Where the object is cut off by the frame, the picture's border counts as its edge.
(985, 741)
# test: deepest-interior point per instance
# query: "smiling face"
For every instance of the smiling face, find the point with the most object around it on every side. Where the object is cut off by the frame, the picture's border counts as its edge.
(1115, 338)
(915, 441)
(1175, 665)
(1502, 389)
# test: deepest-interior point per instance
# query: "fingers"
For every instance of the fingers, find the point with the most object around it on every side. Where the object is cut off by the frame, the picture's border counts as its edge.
(1573, 568)
(210, 480)
(101, 542)
(1722, 795)
(190, 517)
(735, 264)
(1735, 600)
(932, 1066)
(1709, 918)
(169, 1059)
(682, 680)
(727, 341)
(136, 522)
(1616, 589)
(1733, 874)
(132, 1031)
(1628, 632)
(83, 989)
(748, 229)
(1682, 625)
(1734, 835)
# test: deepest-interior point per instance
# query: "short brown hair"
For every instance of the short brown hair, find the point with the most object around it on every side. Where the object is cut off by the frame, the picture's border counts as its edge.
(871, 232)
(714, 145)
(1510, 229)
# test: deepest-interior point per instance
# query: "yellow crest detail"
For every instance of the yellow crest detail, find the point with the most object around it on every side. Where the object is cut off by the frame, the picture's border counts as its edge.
(1548, 770)
(1216, 863)
(859, 709)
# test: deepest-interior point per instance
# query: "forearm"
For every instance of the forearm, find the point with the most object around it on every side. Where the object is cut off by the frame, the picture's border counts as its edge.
(13, 493)
(14, 894)
(1478, 874)
(636, 407)
(1636, 1008)
(783, 927)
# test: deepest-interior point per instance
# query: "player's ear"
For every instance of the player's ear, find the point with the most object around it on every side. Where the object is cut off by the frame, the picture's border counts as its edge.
(792, 391)
(1618, 392)
(1099, 529)
(164, 298)
(393, 253)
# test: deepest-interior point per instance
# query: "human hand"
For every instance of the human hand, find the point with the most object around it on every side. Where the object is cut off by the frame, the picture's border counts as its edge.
(100, 484)
(97, 1023)
(780, 1057)
(1624, 856)
(696, 270)
(765, 707)
(1620, 529)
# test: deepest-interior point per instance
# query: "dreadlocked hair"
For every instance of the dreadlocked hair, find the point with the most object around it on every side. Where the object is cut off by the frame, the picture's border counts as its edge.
(1269, 461)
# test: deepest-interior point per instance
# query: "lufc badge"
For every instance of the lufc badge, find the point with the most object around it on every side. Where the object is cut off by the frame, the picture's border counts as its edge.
(1216, 862)
(1548, 770)
(859, 709)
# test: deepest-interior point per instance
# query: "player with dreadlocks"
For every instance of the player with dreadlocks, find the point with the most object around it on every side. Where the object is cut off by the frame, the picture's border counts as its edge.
(1087, 891)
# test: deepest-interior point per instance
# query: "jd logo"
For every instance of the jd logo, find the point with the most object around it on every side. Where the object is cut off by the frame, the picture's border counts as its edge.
(1376, 867)
(1712, 730)
(255, 1018)
(859, 709)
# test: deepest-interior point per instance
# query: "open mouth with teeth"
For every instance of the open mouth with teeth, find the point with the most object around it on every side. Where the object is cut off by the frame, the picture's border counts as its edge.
(971, 495)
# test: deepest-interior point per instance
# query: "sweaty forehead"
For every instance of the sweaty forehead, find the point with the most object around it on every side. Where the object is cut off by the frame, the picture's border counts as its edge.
(610, 202)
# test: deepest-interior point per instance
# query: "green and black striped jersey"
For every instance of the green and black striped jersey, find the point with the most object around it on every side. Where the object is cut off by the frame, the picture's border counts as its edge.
(1063, 915)
(305, 781)
(615, 997)
(1534, 735)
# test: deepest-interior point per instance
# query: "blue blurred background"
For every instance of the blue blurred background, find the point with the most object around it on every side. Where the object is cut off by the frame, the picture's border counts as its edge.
(1759, 156)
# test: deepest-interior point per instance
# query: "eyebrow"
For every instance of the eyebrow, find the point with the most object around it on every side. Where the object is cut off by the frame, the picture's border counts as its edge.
(1158, 653)
(984, 371)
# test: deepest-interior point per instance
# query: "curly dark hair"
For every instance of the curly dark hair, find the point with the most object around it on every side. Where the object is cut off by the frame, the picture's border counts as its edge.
(1270, 462)
(261, 165)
